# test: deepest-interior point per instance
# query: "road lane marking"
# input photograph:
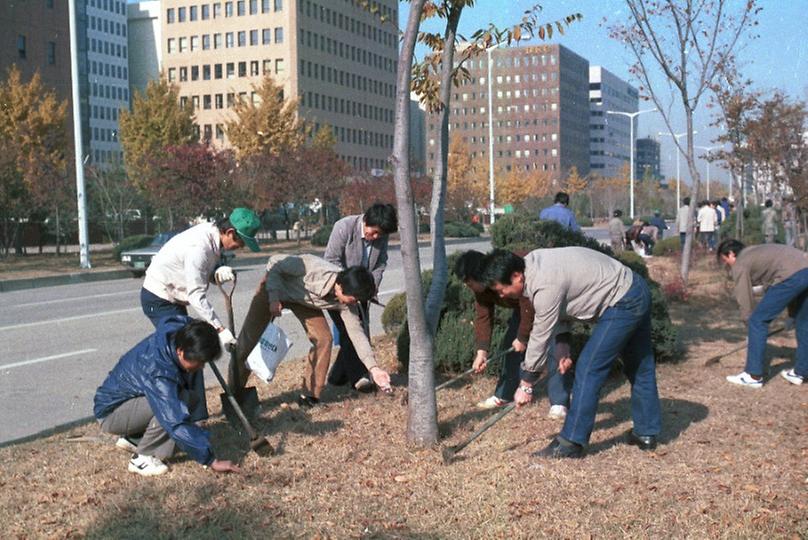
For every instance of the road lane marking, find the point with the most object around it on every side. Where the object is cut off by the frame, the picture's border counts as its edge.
(72, 299)
(46, 359)
(68, 319)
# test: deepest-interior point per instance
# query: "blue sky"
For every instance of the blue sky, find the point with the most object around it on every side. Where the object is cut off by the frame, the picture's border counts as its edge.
(777, 59)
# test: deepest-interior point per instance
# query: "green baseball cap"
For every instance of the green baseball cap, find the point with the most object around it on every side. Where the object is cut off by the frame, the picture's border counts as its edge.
(246, 223)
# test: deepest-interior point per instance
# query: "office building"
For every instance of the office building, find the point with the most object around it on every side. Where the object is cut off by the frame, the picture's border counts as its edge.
(610, 138)
(540, 111)
(145, 51)
(417, 144)
(647, 159)
(335, 57)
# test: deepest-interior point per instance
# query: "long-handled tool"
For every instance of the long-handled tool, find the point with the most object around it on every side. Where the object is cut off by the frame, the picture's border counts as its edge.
(450, 452)
(717, 358)
(257, 442)
(471, 370)
(247, 397)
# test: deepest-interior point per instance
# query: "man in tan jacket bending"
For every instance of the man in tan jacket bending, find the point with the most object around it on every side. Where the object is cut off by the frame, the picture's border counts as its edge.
(307, 285)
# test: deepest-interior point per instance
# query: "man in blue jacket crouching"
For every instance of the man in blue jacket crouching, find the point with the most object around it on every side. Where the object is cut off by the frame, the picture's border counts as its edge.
(155, 395)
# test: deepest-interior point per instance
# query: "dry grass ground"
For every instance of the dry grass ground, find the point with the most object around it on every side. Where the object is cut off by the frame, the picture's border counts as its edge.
(731, 463)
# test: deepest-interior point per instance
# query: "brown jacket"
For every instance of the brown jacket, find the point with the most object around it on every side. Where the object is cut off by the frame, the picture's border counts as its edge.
(309, 281)
(766, 265)
(484, 316)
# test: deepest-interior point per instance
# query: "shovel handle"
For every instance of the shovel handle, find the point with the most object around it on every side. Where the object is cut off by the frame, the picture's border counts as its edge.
(236, 407)
(228, 301)
(471, 370)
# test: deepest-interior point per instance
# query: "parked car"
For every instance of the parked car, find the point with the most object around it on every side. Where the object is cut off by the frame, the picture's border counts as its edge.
(138, 260)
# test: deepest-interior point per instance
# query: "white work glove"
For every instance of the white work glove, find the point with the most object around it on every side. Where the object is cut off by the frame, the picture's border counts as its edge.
(224, 273)
(227, 339)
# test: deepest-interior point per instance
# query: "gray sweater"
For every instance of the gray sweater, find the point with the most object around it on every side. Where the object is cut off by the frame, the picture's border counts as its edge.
(568, 283)
(345, 246)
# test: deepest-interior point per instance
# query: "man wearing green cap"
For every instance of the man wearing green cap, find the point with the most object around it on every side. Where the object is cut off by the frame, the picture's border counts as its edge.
(180, 273)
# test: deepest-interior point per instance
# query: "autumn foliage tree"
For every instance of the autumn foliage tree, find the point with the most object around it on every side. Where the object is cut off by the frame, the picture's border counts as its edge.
(467, 181)
(33, 143)
(518, 187)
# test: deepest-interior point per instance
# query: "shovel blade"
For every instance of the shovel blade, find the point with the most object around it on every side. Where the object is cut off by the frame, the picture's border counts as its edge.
(248, 401)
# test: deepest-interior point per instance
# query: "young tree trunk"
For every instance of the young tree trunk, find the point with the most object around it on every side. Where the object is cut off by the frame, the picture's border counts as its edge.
(58, 233)
(422, 423)
(696, 178)
(440, 273)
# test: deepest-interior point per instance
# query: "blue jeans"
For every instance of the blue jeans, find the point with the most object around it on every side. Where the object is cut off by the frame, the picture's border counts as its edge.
(792, 290)
(623, 329)
(558, 385)
(156, 308)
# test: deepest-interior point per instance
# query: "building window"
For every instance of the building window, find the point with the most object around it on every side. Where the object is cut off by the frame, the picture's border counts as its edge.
(205, 42)
(180, 14)
(228, 40)
(240, 8)
(21, 46)
(254, 68)
(193, 13)
(206, 102)
(194, 43)
(206, 72)
(51, 52)
(253, 7)
(217, 41)
(279, 65)
(278, 5)
(172, 74)
(170, 15)
(242, 69)
(208, 131)
(253, 37)
(279, 34)
(183, 74)
(217, 71)
(242, 39)
(205, 12)
(267, 67)
(265, 6)
(219, 132)
(231, 70)
(171, 47)
(266, 34)
(183, 44)
(228, 9)
(194, 73)
(219, 101)
(217, 10)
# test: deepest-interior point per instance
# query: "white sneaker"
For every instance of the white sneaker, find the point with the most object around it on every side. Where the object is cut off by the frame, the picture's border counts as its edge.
(744, 379)
(147, 465)
(364, 385)
(491, 403)
(791, 376)
(125, 444)
(558, 412)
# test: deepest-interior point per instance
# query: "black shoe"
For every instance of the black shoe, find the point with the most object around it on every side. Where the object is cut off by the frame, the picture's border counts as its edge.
(561, 448)
(307, 401)
(644, 442)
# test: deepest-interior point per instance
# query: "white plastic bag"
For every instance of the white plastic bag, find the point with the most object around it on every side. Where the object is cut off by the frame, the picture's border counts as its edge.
(268, 353)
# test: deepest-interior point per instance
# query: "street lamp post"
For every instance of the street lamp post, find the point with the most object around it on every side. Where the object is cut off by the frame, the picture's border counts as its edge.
(677, 136)
(708, 149)
(84, 237)
(631, 117)
(491, 134)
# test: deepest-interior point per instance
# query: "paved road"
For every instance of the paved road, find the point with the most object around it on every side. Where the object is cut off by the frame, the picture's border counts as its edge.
(58, 343)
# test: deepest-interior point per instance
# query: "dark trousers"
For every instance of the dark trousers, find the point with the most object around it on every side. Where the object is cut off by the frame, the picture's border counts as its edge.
(348, 367)
(156, 308)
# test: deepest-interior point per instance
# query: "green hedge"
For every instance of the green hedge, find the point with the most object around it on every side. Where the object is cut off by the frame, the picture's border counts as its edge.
(320, 238)
(667, 247)
(132, 242)
(752, 227)
(453, 229)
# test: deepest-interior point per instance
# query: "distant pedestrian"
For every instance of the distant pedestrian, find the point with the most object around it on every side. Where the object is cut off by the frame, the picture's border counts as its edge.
(769, 222)
(617, 231)
(180, 273)
(726, 206)
(790, 222)
(560, 212)
(659, 223)
(707, 223)
(682, 219)
(783, 272)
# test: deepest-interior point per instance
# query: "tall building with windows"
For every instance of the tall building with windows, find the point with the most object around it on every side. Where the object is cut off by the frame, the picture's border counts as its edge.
(647, 159)
(610, 138)
(540, 112)
(106, 67)
(334, 56)
(145, 51)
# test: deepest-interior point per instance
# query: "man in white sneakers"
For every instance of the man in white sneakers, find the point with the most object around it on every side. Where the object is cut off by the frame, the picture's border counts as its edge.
(180, 273)
(155, 395)
(783, 272)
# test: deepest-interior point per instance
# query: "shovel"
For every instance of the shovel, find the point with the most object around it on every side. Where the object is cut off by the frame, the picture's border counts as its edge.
(247, 397)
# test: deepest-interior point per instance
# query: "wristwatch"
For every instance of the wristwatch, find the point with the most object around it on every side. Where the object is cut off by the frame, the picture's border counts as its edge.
(526, 389)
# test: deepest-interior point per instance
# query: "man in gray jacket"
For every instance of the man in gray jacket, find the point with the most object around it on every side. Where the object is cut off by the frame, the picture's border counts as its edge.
(307, 285)
(359, 240)
(582, 284)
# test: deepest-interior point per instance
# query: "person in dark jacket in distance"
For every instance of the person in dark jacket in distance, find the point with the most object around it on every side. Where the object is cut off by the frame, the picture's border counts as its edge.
(155, 395)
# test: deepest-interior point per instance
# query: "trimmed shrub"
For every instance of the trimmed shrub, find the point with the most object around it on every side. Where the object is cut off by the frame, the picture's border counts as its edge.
(454, 229)
(752, 227)
(132, 242)
(667, 247)
(320, 238)
(395, 313)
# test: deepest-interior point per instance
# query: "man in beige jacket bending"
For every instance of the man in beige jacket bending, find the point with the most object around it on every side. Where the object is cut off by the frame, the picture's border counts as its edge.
(307, 285)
